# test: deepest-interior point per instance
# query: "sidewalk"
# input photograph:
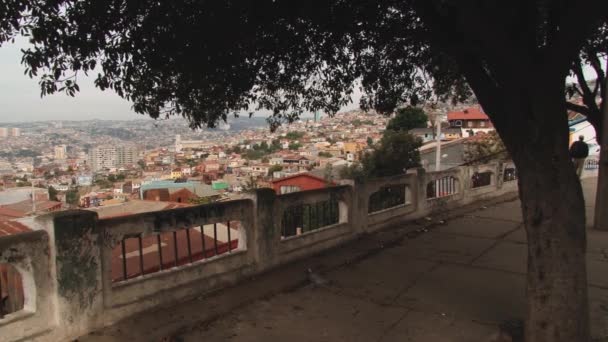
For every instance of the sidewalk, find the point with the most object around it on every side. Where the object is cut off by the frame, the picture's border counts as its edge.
(455, 282)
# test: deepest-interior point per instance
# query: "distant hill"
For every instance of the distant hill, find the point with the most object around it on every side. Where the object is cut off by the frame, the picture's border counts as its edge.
(244, 122)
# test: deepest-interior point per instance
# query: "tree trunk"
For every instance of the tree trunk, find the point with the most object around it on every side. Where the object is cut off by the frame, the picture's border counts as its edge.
(601, 199)
(554, 218)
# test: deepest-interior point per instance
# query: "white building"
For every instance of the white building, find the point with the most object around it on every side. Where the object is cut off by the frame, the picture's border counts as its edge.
(112, 157)
(60, 152)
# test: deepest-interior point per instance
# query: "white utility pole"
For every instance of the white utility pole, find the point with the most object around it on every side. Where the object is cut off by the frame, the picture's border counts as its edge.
(33, 198)
(438, 142)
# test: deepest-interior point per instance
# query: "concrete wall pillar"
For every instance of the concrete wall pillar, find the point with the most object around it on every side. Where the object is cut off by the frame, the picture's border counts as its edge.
(78, 271)
(266, 230)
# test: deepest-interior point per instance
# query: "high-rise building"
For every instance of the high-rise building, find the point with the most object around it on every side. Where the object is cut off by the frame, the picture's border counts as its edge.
(102, 157)
(60, 152)
(126, 155)
(317, 116)
(3, 132)
(15, 132)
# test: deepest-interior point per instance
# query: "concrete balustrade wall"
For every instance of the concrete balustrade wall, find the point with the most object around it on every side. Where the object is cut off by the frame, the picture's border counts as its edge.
(66, 264)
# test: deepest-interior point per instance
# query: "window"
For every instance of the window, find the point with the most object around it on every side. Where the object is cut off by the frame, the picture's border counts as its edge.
(482, 124)
(470, 124)
(458, 123)
(285, 189)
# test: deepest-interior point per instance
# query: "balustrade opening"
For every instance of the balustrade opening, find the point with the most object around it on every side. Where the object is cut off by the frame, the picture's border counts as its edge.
(137, 255)
(11, 290)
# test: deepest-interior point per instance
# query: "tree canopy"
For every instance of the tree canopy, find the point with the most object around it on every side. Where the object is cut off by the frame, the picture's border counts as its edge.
(408, 118)
(205, 60)
(396, 152)
(168, 58)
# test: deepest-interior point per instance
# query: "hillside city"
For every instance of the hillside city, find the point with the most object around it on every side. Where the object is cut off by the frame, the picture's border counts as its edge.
(119, 167)
(97, 163)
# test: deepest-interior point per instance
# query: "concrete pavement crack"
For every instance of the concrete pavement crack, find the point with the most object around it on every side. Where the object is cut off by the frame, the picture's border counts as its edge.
(392, 326)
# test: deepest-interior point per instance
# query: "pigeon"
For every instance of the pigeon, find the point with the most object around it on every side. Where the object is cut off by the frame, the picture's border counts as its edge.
(316, 279)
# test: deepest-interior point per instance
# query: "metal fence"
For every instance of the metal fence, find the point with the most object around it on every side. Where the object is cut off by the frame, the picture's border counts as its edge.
(137, 255)
(299, 219)
(479, 179)
(387, 197)
(592, 164)
(510, 174)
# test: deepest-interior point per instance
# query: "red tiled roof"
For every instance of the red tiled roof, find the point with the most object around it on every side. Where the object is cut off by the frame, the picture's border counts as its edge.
(472, 113)
(12, 213)
(297, 175)
(12, 227)
(26, 206)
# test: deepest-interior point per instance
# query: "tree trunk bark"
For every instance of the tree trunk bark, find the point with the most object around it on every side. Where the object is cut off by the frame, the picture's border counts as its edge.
(554, 218)
(601, 199)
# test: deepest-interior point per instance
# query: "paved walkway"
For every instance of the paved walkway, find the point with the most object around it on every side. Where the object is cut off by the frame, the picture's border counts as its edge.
(454, 282)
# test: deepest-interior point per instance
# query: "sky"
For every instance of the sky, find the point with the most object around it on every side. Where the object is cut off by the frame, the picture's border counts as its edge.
(20, 96)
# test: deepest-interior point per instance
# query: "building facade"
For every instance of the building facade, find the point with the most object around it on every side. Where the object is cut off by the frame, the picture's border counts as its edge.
(108, 157)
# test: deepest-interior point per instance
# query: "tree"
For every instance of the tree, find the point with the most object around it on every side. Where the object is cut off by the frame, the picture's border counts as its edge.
(592, 93)
(408, 118)
(200, 200)
(273, 169)
(514, 56)
(294, 146)
(370, 142)
(325, 154)
(53, 194)
(276, 145)
(142, 164)
(395, 154)
(484, 148)
(328, 174)
(250, 184)
(294, 135)
(72, 197)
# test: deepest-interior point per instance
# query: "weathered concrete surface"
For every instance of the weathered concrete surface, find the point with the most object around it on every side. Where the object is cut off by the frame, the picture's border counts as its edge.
(448, 282)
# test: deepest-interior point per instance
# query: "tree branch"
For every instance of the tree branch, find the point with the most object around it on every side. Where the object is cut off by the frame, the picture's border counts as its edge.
(580, 76)
(577, 108)
(597, 66)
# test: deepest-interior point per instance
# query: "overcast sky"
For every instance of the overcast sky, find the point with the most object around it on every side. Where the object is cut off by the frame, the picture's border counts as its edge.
(20, 96)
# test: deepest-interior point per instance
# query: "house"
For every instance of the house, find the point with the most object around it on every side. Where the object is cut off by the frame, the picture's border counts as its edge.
(259, 169)
(429, 134)
(470, 121)
(295, 159)
(176, 173)
(276, 161)
(298, 182)
(164, 190)
(352, 147)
